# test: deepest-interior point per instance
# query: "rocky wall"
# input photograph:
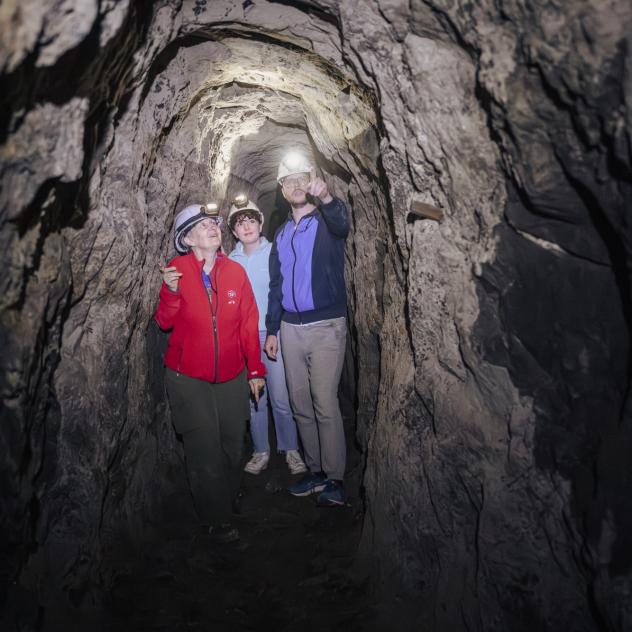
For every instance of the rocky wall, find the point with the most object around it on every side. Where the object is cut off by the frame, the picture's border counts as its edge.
(505, 481)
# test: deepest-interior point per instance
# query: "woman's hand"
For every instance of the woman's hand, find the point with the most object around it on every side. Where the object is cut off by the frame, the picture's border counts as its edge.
(256, 386)
(270, 347)
(171, 277)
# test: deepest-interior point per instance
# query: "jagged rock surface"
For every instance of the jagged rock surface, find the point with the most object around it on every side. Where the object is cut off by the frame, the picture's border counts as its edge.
(491, 350)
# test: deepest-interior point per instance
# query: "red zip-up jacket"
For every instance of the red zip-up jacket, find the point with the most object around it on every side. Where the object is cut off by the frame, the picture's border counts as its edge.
(211, 340)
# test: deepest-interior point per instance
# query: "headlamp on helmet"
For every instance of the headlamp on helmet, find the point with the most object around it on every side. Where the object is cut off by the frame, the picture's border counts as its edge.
(293, 162)
(241, 200)
(242, 206)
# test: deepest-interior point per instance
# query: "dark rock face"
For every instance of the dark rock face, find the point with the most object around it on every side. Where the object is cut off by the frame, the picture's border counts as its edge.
(489, 352)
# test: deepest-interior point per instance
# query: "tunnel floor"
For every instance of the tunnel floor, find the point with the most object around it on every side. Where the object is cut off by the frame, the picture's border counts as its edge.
(292, 567)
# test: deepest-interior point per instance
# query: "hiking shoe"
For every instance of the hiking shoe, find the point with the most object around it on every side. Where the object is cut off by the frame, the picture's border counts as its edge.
(237, 501)
(223, 533)
(333, 494)
(309, 484)
(258, 462)
(294, 462)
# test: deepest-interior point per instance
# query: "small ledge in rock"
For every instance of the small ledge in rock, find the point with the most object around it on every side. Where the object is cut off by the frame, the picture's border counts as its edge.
(421, 210)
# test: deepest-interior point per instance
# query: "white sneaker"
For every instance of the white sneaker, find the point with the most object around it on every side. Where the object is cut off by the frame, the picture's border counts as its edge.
(294, 462)
(258, 462)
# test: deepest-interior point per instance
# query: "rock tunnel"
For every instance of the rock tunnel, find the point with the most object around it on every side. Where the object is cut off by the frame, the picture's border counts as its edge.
(484, 151)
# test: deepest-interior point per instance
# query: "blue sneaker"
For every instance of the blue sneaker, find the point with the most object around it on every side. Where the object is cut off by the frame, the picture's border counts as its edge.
(309, 484)
(333, 494)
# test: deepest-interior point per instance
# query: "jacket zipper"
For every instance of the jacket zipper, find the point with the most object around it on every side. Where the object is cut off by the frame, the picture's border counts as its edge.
(300, 319)
(213, 317)
(215, 322)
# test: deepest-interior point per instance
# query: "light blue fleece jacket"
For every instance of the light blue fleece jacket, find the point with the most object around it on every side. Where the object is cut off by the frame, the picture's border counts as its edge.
(258, 271)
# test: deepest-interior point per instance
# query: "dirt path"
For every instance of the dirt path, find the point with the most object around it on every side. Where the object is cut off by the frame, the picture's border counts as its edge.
(292, 569)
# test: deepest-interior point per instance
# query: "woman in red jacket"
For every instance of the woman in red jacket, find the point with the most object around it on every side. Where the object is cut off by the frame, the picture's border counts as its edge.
(213, 355)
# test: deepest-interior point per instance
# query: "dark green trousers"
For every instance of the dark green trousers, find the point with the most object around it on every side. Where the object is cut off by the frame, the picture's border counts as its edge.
(212, 420)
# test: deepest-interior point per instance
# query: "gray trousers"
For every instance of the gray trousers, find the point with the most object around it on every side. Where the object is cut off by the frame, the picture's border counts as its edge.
(212, 420)
(313, 356)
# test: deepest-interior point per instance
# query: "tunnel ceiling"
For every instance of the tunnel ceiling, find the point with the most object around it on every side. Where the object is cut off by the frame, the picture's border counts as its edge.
(242, 103)
(488, 352)
(255, 156)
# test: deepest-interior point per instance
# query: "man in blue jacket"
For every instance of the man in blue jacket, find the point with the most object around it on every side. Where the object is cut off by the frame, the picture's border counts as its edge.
(308, 304)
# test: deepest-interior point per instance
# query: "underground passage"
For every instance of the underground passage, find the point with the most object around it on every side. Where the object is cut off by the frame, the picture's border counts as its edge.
(443, 188)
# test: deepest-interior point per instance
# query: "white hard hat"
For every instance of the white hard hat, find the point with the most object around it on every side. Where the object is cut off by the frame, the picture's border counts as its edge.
(188, 217)
(292, 163)
(242, 205)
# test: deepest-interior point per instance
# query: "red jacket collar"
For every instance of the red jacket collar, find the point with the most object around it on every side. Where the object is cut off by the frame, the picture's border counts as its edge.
(220, 259)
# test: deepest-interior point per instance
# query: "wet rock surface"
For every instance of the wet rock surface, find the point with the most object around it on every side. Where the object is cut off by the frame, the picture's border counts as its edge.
(488, 353)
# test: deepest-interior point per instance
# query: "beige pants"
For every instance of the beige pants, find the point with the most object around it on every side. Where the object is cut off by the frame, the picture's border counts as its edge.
(313, 356)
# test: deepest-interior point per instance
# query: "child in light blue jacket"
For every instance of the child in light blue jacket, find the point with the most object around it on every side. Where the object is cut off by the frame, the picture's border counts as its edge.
(252, 252)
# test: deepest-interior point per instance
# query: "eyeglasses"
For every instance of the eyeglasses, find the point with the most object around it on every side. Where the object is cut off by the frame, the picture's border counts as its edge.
(217, 220)
(294, 183)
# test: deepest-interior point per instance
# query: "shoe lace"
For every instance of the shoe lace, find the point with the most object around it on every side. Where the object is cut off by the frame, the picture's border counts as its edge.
(257, 457)
(294, 458)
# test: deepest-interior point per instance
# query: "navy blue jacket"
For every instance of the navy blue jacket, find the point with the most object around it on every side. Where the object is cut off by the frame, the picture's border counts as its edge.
(307, 281)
